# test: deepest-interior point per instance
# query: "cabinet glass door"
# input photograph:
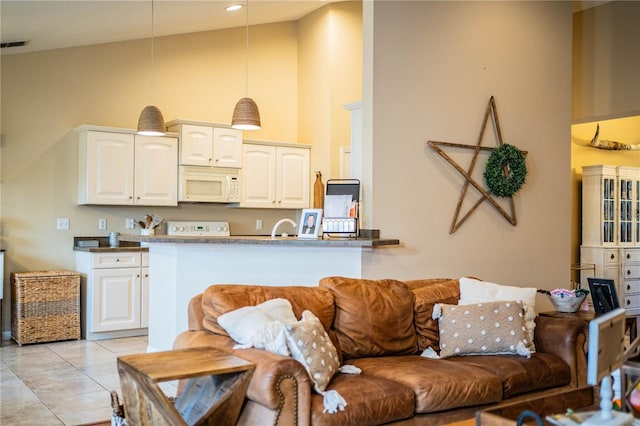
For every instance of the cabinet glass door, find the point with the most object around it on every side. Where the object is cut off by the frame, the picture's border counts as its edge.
(636, 210)
(625, 209)
(608, 203)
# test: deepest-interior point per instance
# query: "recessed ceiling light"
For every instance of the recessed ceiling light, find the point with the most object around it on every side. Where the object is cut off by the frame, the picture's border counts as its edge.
(233, 7)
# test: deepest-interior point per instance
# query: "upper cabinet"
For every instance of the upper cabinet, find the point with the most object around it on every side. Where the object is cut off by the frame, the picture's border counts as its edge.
(207, 145)
(275, 177)
(610, 205)
(119, 168)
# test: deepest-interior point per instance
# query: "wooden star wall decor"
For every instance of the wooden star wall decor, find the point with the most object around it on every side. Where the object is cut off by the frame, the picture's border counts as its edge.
(457, 221)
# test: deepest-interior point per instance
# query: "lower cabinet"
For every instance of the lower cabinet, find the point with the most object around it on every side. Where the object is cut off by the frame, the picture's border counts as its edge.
(115, 300)
(619, 264)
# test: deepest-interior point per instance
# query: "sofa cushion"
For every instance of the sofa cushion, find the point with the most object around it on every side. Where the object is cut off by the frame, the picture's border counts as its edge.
(520, 375)
(438, 384)
(476, 291)
(373, 318)
(370, 401)
(427, 293)
(483, 328)
(221, 298)
(311, 346)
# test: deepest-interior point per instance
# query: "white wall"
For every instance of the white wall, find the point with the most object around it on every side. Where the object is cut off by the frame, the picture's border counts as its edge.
(435, 66)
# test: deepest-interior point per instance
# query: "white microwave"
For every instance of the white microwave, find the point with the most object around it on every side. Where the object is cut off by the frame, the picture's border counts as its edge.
(201, 184)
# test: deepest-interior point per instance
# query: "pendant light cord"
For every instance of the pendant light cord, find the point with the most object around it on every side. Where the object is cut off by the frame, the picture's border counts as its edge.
(246, 50)
(152, 51)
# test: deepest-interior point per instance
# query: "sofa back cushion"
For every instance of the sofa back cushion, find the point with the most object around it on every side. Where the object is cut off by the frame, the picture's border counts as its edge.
(222, 298)
(427, 293)
(373, 318)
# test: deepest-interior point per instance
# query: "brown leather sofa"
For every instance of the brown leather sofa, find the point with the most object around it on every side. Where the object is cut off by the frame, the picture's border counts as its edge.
(382, 327)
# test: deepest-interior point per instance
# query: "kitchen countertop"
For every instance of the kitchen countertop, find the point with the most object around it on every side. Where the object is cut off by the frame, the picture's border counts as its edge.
(261, 239)
(103, 245)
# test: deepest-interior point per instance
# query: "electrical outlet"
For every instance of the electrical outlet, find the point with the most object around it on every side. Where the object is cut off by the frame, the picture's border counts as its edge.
(102, 223)
(62, 224)
(130, 223)
(258, 224)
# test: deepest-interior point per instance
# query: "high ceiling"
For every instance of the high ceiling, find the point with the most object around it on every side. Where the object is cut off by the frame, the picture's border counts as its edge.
(53, 24)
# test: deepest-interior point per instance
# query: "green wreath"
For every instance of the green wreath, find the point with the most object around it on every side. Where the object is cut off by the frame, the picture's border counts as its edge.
(505, 171)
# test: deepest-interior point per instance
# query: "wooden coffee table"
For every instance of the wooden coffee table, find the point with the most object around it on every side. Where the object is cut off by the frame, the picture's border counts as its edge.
(215, 388)
(553, 403)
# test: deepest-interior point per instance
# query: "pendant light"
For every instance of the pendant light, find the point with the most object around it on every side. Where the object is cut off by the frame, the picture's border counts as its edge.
(246, 115)
(151, 121)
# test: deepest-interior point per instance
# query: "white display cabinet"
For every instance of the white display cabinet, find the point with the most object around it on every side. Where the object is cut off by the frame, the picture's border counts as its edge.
(611, 229)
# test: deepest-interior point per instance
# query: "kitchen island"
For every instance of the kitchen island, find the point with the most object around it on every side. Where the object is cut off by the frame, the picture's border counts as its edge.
(181, 267)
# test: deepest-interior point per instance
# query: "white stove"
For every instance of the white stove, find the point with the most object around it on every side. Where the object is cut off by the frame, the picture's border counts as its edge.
(199, 228)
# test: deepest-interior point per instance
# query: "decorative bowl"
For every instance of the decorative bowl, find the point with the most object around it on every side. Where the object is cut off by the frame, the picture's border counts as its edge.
(567, 303)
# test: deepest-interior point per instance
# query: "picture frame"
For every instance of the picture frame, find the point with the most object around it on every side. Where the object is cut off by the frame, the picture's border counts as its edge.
(603, 295)
(310, 223)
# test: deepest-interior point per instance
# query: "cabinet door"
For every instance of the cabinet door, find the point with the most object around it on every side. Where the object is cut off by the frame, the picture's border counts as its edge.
(116, 299)
(144, 299)
(258, 176)
(156, 171)
(292, 178)
(196, 145)
(227, 147)
(106, 168)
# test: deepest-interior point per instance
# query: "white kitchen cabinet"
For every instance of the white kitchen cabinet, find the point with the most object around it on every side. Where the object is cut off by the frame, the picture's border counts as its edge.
(275, 177)
(119, 168)
(115, 293)
(207, 145)
(611, 229)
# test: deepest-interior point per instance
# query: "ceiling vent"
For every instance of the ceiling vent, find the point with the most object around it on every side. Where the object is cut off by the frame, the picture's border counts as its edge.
(13, 44)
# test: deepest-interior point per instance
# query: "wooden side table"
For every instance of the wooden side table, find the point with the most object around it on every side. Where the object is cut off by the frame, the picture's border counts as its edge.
(216, 385)
(631, 321)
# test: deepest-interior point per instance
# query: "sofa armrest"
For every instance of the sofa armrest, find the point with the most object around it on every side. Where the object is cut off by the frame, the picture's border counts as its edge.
(279, 383)
(565, 338)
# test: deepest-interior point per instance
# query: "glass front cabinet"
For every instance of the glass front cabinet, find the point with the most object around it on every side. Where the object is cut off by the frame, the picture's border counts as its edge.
(611, 229)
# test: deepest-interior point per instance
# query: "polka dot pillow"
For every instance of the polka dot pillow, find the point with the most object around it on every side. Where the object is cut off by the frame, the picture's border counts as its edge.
(310, 345)
(482, 329)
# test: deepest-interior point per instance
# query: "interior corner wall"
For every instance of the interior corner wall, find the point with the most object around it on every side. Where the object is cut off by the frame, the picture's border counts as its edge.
(606, 57)
(329, 76)
(435, 66)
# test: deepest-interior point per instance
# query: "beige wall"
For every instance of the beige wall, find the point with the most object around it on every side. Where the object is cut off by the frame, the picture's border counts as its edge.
(330, 69)
(435, 65)
(198, 76)
(606, 72)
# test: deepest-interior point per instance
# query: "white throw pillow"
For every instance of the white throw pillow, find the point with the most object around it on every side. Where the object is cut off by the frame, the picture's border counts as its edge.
(474, 291)
(260, 326)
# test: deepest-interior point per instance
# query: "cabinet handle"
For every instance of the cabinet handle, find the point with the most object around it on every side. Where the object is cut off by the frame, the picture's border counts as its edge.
(131, 197)
(628, 287)
(628, 302)
(137, 275)
(146, 275)
(613, 256)
(628, 256)
(628, 272)
(117, 259)
(280, 201)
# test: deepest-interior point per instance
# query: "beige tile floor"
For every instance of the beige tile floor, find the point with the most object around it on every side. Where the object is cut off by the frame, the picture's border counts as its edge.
(62, 383)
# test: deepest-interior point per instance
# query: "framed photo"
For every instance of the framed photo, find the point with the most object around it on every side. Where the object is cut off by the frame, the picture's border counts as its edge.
(603, 294)
(310, 223)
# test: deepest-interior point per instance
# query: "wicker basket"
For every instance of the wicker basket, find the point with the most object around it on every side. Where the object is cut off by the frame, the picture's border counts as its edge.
(45, 306)
(567, 304)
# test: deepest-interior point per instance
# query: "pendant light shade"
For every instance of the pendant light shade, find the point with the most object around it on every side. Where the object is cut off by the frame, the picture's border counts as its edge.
(151, 121)
(246, 115)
